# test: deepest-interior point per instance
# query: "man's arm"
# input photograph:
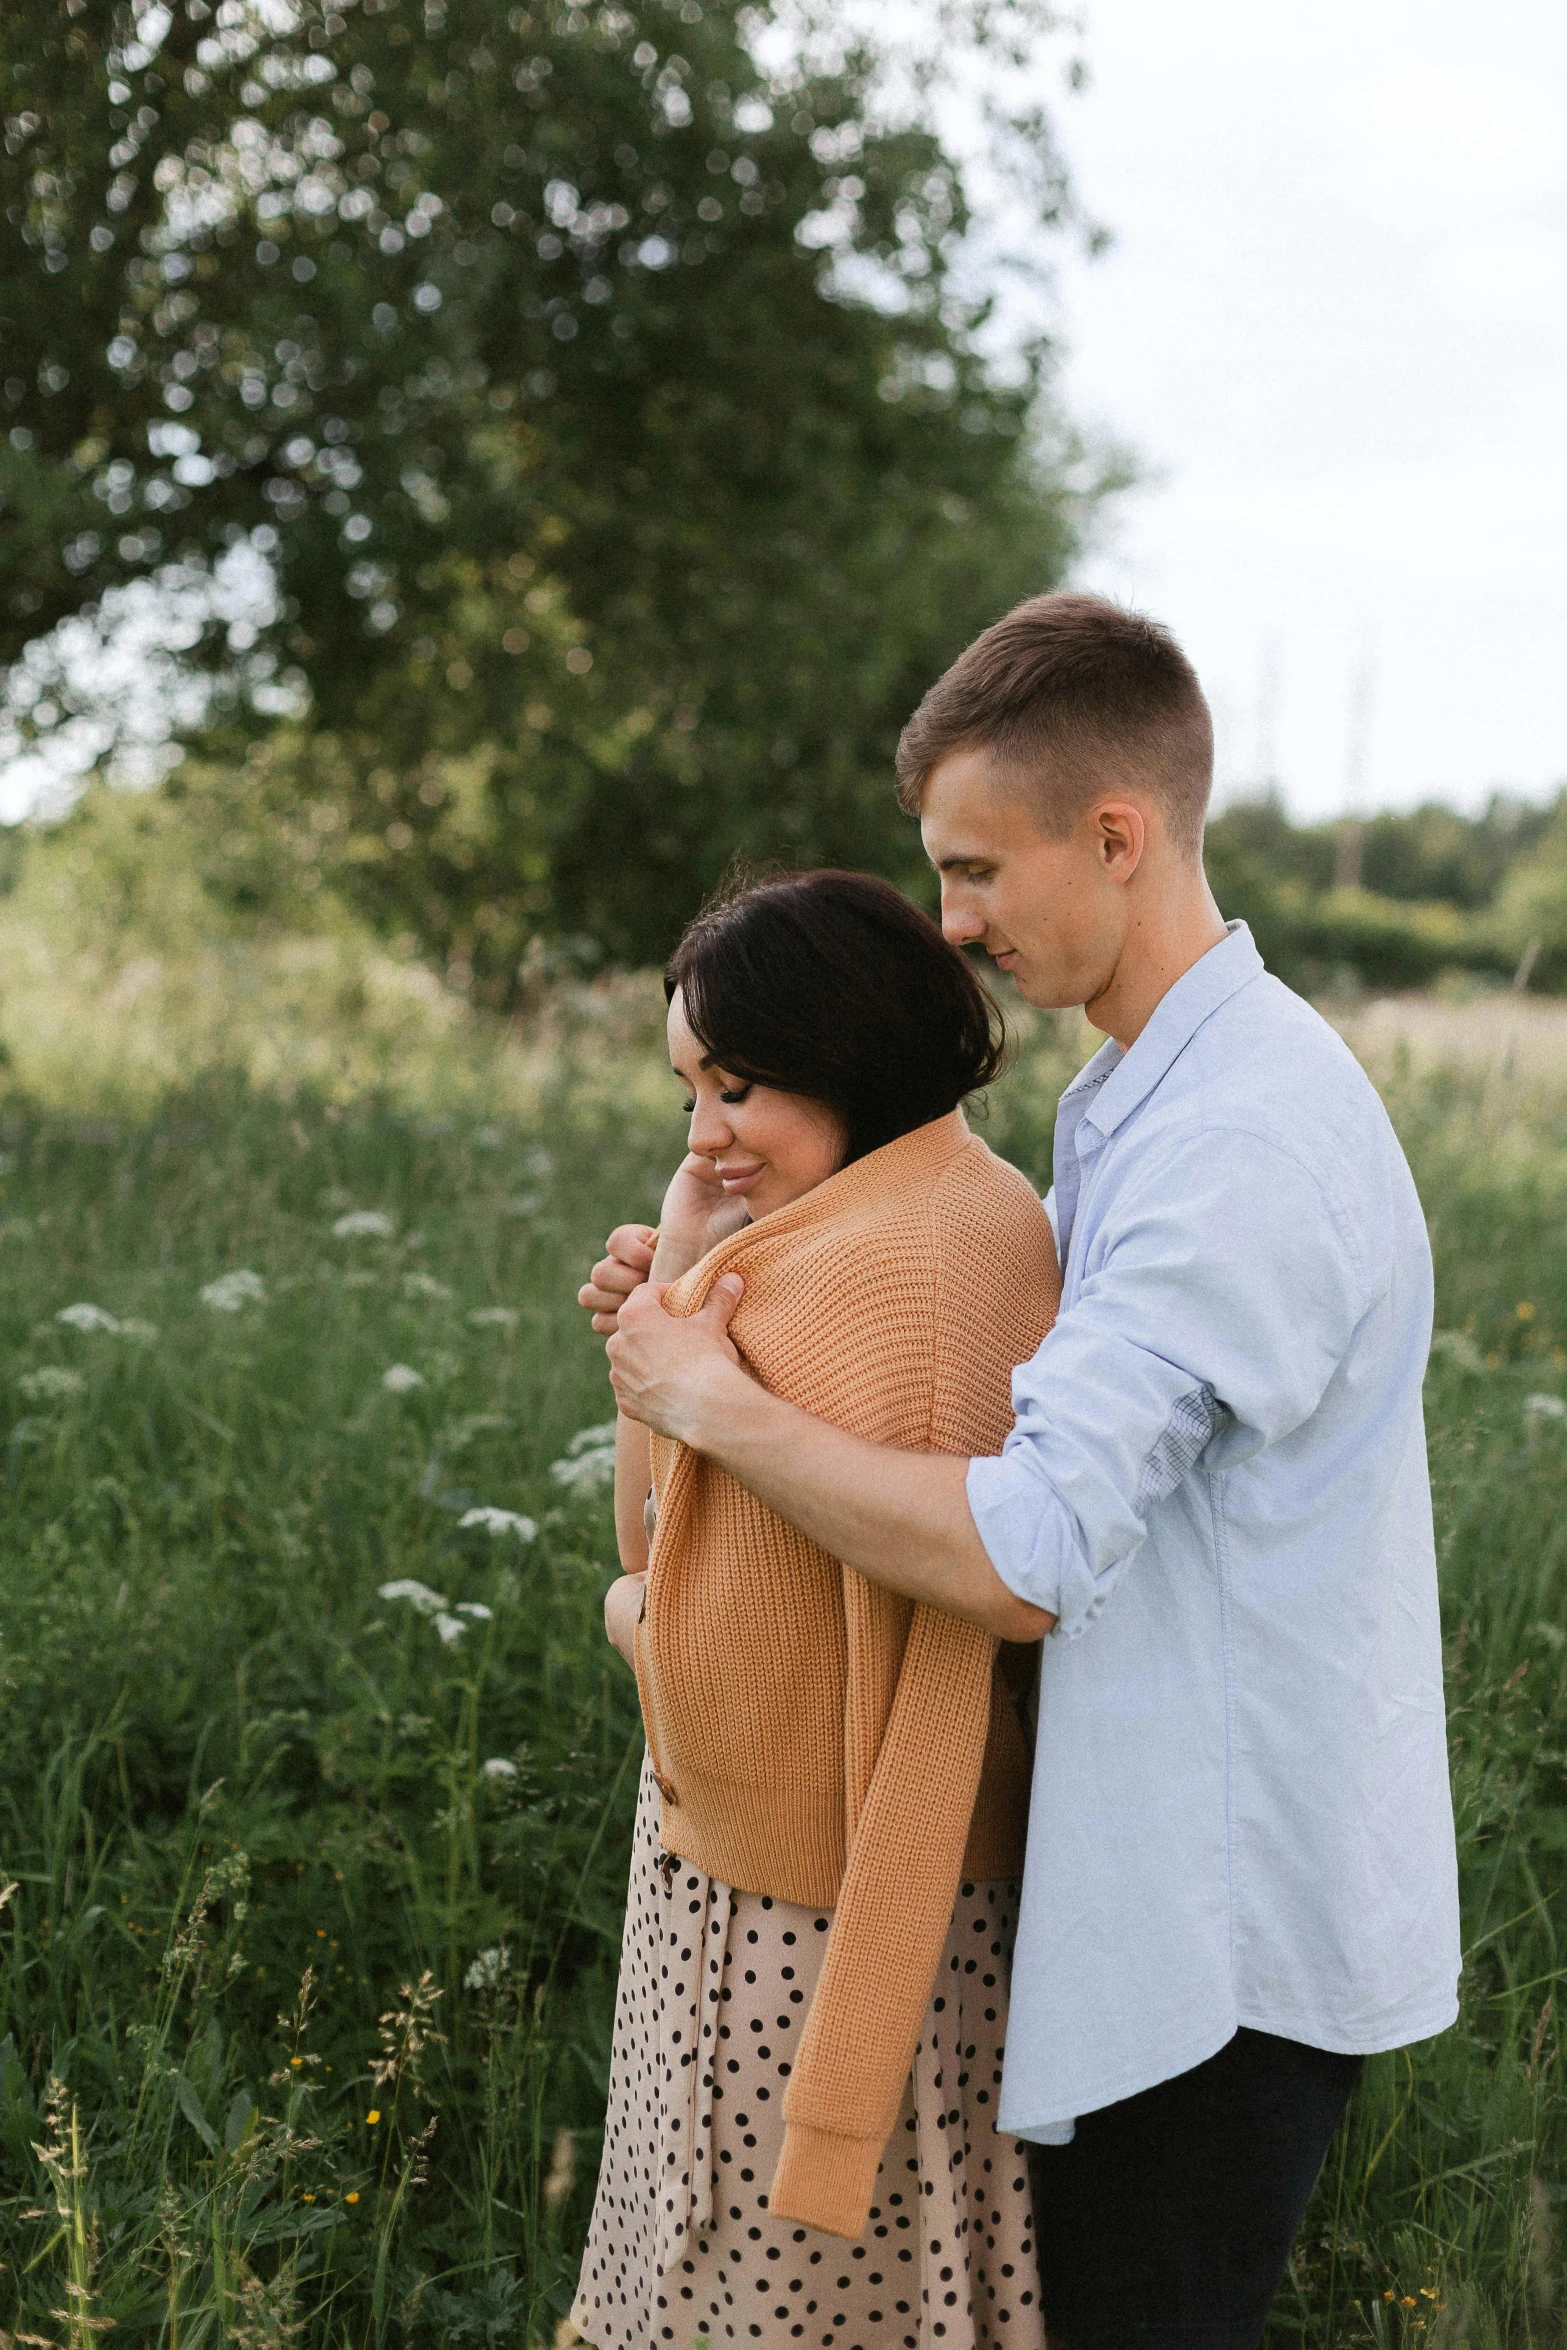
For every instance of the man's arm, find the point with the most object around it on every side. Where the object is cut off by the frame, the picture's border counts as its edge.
(901, 1519)
(1221, 1300)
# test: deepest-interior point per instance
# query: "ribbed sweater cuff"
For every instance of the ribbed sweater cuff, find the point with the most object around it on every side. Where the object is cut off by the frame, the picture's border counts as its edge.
(824, 2180)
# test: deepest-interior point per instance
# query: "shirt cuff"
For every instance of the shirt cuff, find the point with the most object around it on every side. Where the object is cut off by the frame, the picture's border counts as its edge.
(1033, 1541)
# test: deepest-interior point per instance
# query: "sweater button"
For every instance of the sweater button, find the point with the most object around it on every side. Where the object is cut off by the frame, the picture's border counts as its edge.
(667, 1791)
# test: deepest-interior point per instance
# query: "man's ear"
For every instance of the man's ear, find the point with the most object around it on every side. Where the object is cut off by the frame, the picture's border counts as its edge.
(1121, 836)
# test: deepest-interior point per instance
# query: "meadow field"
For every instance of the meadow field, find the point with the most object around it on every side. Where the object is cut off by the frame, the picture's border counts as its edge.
(315, 1772)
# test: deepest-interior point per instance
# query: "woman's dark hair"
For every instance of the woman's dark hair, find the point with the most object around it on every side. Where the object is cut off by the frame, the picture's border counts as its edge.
(833, 986)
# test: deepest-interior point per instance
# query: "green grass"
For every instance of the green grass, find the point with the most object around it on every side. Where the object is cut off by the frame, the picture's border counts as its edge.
(265, 1886)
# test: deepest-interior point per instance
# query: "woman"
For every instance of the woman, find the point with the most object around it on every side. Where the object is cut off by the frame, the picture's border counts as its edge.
(800, 2144)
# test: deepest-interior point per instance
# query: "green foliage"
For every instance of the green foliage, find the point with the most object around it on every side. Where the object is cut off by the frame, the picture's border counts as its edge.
(1423, 893)
(609, 406)
(1531, 905)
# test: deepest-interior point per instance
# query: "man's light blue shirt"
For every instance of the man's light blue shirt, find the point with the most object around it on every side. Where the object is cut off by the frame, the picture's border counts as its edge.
(1217, 1482)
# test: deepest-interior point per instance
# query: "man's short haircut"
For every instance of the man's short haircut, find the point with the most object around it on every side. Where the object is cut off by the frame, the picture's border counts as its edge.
(1074, 695)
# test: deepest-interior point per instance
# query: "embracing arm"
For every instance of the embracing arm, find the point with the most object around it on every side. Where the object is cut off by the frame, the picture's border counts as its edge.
(900, 1518)
(1224, 1297)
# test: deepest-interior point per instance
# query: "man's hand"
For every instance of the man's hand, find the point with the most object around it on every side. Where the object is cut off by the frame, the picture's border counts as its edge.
(672, 1372)
(625, 1266)
(901, 1518)
(622, 1608)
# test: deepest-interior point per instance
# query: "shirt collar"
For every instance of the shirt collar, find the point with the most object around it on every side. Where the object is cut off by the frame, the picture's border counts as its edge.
(1120, 1082)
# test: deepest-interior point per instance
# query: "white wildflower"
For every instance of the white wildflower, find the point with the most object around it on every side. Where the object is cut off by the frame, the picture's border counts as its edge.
(498, 1768)
(417, 1594)
(463, 1431)
(138, 1332)
(86, 1318)
(538, 1163)
(489, 1969)
(1459, 1348)
(365, 1224)
(487, 1138)
(50, 1384)
(498, 1522)
(594, 1472)
(231, 1292)
(426, 1285)
(495, 1317)
(477, 1610)
(401, 1378)
(526, 1203)
(562, 2170)
(589, 1465)
(1543, 1407)
(451, 1628)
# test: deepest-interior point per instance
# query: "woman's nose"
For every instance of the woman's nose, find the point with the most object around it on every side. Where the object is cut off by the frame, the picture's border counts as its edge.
(710, 1131)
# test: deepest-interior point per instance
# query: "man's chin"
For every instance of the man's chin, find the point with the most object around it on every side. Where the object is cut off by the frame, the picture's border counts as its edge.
(1038, 989)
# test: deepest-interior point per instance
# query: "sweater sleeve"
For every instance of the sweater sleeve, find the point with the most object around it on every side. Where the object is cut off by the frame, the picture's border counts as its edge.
(905, 1862)
(893, 1913)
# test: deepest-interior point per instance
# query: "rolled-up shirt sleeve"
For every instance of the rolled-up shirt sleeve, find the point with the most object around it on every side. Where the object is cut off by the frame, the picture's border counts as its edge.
(1221, 1293)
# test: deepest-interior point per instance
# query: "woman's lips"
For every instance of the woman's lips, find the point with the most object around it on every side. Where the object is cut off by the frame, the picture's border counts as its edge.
(737, 1179)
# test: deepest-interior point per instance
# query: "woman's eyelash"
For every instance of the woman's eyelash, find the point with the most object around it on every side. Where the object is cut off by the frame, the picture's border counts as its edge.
(735, 1094)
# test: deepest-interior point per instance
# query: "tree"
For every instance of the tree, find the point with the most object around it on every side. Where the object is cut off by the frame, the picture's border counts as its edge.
(602, 399)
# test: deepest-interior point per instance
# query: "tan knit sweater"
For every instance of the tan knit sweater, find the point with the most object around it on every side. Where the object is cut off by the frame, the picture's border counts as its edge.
(816, 1738)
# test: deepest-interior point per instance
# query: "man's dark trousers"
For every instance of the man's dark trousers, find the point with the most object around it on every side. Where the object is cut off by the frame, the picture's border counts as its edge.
(1168, 2222)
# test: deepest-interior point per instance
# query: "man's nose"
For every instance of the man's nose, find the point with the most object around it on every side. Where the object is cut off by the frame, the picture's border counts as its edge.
(961, 921)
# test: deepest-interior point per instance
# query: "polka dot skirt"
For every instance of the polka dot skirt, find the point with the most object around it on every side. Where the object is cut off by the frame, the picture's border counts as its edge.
(714, 1988)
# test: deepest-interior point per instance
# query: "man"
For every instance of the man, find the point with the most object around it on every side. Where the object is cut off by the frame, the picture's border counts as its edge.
(1213, 1507)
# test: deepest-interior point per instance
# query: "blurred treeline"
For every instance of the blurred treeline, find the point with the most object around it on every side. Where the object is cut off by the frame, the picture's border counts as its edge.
(167, 890)
(1397, 900)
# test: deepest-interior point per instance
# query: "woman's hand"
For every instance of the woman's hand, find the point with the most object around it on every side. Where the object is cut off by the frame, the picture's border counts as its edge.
(697, 1215)
(622, 1609)
(627, 1261)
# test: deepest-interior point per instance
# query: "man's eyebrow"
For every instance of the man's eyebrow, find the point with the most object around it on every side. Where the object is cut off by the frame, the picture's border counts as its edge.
(961, 857)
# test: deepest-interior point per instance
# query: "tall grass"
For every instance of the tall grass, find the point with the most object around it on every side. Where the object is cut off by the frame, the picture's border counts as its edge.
(314, 1893)
(307, 1960)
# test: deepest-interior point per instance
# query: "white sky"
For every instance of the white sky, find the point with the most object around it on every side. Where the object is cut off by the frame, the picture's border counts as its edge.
(1334, 323)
